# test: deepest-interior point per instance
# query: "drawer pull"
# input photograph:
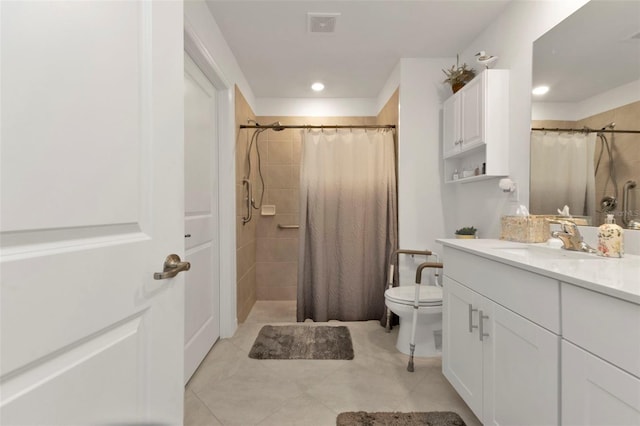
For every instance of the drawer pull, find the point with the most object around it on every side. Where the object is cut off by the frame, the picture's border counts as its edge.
(471, 311)
(481, 318)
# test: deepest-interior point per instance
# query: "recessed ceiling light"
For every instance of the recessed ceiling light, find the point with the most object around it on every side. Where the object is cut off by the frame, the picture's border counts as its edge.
(317, 87)
(540, 90)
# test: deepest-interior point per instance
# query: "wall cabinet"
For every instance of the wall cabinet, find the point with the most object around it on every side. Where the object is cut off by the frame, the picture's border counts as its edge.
(475, 127)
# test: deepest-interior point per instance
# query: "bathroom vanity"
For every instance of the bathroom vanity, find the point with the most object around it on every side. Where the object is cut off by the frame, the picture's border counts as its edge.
(535, 335)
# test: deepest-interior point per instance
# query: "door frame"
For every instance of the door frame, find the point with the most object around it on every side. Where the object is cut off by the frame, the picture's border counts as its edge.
(226, 173)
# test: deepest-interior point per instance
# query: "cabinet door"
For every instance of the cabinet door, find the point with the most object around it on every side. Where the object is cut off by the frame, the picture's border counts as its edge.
(521, 369)
(451, 138)
(595, 392)
(461, 347)
(472, 114)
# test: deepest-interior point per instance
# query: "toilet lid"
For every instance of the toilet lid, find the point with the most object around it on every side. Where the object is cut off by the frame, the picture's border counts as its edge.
(430, 295)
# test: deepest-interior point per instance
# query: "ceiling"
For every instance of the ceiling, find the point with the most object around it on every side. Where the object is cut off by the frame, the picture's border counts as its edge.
(280, 58)
(590, 52)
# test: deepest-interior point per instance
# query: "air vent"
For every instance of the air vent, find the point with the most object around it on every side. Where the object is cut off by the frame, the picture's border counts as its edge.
(321, 22)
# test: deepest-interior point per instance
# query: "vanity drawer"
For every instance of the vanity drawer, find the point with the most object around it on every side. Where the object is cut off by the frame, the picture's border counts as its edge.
(603, 325)
(533, 296)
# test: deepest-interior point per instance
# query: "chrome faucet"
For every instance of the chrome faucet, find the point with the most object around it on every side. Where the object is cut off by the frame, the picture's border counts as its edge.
(570, 236)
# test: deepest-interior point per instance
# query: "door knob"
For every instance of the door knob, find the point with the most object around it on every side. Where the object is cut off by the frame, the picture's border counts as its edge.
(172, 266)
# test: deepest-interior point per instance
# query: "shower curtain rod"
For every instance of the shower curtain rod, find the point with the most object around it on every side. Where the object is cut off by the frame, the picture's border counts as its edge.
(583, 130)
(322, 126)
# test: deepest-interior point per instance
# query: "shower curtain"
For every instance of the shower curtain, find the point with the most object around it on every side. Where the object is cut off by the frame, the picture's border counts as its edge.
(562, 173)
(348, 224)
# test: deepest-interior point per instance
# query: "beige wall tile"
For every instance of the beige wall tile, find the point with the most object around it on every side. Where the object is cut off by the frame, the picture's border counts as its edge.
(276, 274)
(285, 200)
(267, 226)
(276, 249)
(245, 234)
(280, 152)
(278, 176)
(277, 293)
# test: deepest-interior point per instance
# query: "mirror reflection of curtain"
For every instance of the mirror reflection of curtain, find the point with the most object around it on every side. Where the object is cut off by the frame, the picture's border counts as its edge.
(562, 173)
(348, 224)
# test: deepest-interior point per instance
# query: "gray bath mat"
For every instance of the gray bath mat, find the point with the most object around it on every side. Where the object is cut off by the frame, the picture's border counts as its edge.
(302, 342)
(434, 418)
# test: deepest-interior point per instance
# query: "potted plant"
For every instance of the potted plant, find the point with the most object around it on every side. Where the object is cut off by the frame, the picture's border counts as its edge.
(468, 232)
(458, 75)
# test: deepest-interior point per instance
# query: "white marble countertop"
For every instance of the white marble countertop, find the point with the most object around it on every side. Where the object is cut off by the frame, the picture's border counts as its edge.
(612, 276)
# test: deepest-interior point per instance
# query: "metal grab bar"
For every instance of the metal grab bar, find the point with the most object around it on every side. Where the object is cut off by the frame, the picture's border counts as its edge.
(288, 226)
(246, 183)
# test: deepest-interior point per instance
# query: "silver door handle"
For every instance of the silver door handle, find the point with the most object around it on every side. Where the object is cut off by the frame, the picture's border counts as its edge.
(471, 326)
(481, 318)
(172, 267)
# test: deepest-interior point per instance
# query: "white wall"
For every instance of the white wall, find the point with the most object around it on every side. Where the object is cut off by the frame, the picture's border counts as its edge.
(420, 208)
(511, 38)
(316, 107)
(198, 16)
(605, 101)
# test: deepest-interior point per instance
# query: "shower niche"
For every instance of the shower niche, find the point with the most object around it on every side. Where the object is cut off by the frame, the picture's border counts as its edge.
(475, 129)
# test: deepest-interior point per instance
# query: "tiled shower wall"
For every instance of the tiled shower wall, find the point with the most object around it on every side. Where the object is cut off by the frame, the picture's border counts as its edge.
(626, 153)
(245, 234)
(277, 249)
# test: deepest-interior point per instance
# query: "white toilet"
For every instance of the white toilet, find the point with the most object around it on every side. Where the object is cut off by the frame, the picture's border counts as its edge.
(428, 339)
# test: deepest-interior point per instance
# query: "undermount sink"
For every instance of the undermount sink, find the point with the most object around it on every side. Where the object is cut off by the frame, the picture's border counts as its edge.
(541, 252)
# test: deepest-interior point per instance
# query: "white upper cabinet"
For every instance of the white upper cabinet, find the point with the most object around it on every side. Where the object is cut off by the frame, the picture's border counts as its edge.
(475, 128)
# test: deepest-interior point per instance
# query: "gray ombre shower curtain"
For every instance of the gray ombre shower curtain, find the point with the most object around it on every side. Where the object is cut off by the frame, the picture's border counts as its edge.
(562, 173)
(348, 223)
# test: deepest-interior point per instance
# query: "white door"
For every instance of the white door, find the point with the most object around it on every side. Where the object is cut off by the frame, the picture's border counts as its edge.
(92, 203)
(202, 286)
(521, 370)
(461, 346)
(595, 392)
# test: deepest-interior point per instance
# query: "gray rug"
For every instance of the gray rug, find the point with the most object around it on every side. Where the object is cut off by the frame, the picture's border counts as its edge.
(302, 342)
(434, 418)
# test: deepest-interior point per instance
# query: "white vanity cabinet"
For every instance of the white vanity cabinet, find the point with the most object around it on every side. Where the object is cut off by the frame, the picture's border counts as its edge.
(600, 359)
(475, 127)
(501, 340)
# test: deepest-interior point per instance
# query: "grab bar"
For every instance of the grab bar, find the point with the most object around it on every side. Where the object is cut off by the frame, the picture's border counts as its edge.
(246, 183)
(288, 226)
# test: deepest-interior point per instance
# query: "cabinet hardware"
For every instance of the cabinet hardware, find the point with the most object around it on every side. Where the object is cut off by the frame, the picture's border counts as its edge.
(471, 326)
(481, 318)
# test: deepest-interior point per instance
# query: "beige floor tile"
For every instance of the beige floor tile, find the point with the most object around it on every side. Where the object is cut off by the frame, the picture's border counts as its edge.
(196, 413)
(301, 411)
(250, 395)
(236, 390)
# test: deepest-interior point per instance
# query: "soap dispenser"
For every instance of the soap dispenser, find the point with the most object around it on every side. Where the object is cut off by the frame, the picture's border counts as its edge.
(610, 242)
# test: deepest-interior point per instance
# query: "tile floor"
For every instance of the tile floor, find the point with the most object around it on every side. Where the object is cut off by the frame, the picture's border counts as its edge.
(229, 388)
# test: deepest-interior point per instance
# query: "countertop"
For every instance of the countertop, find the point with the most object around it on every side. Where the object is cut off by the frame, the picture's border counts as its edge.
(617, 277)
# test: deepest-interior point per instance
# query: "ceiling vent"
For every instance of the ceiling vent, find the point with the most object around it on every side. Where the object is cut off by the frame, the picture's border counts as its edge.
(321, 22)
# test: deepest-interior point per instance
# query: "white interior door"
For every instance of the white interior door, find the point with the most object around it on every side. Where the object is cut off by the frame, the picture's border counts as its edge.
(92, 203)
(202, 286)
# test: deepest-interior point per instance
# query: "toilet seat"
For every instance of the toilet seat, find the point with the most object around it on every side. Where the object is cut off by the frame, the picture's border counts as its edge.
(429, 295)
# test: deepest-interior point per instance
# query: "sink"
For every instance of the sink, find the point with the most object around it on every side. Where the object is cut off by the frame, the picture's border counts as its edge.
(541, 252)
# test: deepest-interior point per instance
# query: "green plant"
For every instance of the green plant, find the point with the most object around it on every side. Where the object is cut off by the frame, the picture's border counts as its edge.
(467, 230)
(458, 75)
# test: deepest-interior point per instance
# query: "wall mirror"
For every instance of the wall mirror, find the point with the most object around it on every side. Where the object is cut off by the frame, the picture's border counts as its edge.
(591, 64)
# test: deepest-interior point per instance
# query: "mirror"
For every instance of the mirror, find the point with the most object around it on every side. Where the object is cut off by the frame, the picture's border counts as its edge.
(591, 64)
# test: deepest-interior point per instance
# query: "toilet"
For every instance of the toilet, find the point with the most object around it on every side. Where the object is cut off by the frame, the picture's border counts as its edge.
(428, 339)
